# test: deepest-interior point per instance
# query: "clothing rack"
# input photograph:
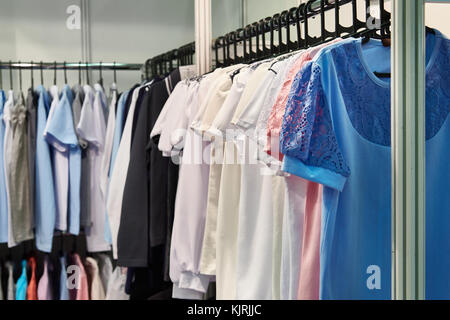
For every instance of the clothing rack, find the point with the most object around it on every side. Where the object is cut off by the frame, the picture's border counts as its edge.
(278, 28)
(70, 65)
(166, 62)
(87, 66)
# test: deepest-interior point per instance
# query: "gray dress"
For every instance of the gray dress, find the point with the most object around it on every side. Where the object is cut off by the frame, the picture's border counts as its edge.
(22, 219)
(31, 130)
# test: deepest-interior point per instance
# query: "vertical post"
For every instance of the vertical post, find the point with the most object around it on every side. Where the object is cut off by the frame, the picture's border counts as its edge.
(203, 35)
(243, 13)
(86, 48)
(408, 150)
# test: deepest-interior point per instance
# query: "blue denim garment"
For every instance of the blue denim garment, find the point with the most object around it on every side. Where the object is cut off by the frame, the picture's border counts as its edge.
(116, 142)
(45, 210)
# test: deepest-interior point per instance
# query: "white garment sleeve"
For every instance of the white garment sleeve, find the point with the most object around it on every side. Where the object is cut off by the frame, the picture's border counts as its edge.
(178, 136)
(175, 109)
(106, 160)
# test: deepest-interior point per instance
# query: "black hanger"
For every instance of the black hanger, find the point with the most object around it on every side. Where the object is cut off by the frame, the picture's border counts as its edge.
(430, 30)
(10, 75)
(100, 81)
(235, 73)
(32, 75)
(20, 77)
(115, 75)
(65, 73)
(54, 73)
(87, 73)
(367, 37)
(79, 73)
(42, 74)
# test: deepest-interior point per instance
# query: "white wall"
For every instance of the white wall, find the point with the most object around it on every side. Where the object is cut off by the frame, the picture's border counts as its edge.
(437, 15)
(260, 9)
(226, 16)
(129, 31)
(124, 31)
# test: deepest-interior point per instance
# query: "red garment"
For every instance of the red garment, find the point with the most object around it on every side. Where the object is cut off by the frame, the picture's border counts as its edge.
(32, 284)
(77, 280)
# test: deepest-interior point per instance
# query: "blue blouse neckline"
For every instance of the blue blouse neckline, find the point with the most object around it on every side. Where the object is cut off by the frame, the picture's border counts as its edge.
(385, 84)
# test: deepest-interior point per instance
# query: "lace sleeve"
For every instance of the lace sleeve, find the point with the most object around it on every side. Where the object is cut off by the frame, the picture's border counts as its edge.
(307, 132)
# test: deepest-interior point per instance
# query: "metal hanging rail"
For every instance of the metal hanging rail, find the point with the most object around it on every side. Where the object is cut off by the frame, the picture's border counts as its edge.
(70, 65)
(278, 28)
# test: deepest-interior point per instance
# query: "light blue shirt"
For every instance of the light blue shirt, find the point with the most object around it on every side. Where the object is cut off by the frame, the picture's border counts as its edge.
(118, 128)
(45, 211)
(3, 194)
(336, 131)
(116, 142)
(61, 132)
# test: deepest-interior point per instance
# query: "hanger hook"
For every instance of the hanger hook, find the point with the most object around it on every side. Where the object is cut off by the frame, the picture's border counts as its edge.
(65, 73)
(54, 73)
(10, 75)
(101, 74)
(115, 75)
(87, 73)
(32, 76)
(42, 74)
(79, 72)
(20, 77)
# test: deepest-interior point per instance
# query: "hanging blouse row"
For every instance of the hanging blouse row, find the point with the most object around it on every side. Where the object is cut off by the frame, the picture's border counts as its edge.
(52, 147)
(284, 187)
(271, 180)
(58, 149)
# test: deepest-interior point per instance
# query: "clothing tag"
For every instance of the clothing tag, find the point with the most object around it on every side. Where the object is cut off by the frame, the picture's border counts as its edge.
(188, 71)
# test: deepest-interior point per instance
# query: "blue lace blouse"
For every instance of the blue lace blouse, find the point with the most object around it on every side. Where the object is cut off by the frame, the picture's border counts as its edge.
(336, 131)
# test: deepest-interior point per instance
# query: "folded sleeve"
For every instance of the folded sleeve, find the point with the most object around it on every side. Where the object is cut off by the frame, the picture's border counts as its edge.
(308, 139)
(60, 130)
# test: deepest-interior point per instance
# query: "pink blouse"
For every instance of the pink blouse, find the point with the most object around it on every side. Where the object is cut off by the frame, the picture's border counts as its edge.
(277, 113)
(309, 277)
(308, 288)
(276, 116)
